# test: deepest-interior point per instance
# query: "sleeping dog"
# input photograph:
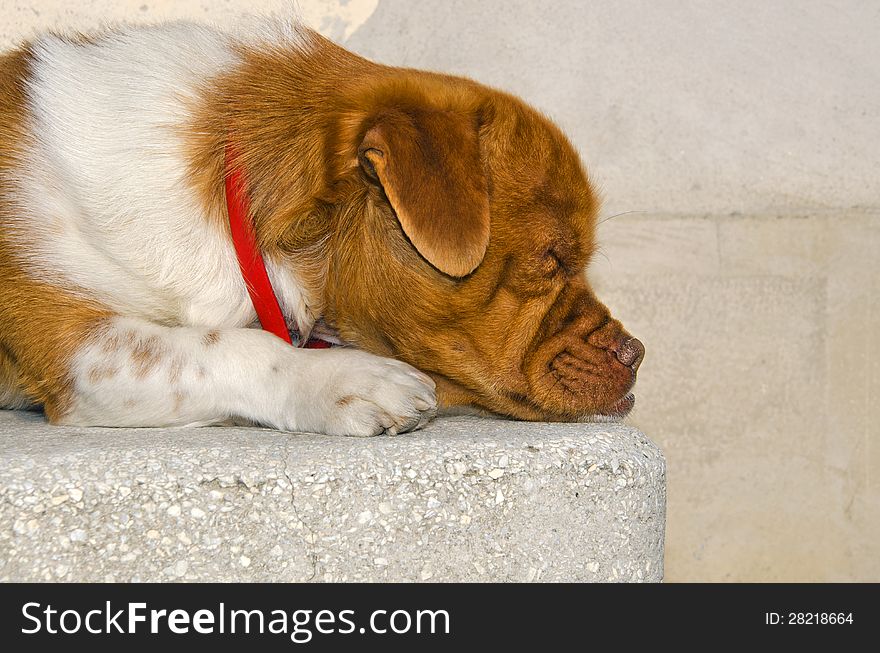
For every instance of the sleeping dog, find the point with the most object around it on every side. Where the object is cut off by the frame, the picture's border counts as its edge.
(167, 190)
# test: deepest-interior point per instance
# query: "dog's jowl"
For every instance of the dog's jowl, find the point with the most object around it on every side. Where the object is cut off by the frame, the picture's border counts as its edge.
(438, 229)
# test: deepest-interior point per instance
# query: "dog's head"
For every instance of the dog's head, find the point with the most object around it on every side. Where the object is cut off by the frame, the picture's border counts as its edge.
(464, 224)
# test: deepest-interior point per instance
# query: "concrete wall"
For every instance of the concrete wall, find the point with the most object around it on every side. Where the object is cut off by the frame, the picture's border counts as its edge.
(742, 137)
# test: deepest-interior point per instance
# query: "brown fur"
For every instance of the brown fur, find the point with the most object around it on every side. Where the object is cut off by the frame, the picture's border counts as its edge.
(429, 165)
(377, 180)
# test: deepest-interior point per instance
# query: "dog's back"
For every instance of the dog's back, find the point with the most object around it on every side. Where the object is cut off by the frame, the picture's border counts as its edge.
(103, 170)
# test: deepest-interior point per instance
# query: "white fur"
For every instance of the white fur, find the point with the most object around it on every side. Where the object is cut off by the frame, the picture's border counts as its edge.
(106, 176)
(105, 209)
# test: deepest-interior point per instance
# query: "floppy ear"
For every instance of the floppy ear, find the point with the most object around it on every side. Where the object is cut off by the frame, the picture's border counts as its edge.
(430, 168)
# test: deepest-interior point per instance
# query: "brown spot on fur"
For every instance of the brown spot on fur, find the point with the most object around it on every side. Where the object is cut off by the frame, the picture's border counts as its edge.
(110, 343)
(146, 355)
(212, 337)
(342, 402)
(100, 373)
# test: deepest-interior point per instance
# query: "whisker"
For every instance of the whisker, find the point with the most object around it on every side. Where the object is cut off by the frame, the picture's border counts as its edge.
(617, 215)
(600, 250)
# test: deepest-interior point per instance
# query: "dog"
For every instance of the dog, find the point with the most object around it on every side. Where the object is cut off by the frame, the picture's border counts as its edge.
(438, 229)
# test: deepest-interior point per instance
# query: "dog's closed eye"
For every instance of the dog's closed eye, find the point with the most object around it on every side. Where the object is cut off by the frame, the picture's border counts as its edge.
(554, 264)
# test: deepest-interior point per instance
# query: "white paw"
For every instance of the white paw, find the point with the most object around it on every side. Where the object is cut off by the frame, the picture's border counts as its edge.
(364, 395)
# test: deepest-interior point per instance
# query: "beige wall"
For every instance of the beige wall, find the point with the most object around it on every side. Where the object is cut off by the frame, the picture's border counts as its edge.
(761, 385)
(744, 134)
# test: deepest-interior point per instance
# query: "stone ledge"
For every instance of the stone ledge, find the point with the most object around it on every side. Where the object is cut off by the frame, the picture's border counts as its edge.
(466, 499)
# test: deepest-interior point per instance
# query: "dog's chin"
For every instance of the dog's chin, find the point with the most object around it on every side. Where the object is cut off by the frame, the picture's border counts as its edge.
(614, 413)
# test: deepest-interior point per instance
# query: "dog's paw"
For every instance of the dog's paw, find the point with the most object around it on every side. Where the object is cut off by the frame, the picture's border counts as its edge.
(365, 395)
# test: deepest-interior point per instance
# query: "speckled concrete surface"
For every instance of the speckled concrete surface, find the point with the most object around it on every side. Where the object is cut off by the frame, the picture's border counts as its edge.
(466, 499)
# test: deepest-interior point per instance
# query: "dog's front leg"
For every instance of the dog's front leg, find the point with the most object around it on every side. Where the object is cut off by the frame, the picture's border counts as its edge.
(136, 373)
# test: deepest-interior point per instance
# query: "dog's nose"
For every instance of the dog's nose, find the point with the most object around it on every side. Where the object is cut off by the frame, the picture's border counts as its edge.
(630, 353)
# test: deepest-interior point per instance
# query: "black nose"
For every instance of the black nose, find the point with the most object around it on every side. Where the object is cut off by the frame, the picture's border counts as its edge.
(631, 353)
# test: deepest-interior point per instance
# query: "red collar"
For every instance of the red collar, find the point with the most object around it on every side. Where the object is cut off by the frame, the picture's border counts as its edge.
(250, 259)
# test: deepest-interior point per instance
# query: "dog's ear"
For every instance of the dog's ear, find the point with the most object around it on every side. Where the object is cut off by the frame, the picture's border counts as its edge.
(430, 168)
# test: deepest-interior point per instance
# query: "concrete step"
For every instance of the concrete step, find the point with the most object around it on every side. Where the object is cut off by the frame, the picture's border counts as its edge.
(466, 499)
